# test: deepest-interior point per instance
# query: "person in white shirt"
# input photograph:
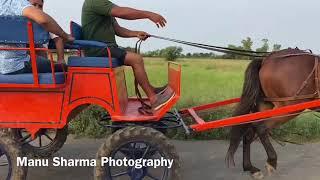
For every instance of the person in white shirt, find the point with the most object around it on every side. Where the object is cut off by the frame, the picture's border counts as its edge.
(17, 62)
(57, 40)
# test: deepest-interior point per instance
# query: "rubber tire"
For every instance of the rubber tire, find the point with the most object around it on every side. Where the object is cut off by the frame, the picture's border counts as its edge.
(171, 133)
(13, 151)
(47, 151)
(137, 133)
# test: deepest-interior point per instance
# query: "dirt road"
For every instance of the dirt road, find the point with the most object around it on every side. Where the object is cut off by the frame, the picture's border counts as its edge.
(202, 160)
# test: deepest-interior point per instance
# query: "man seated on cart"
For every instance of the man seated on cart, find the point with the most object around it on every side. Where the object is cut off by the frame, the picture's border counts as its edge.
(99, 24)
(16, 62)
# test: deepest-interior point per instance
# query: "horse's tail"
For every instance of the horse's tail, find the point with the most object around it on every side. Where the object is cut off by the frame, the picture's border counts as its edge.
(252, 91)
(251, 95)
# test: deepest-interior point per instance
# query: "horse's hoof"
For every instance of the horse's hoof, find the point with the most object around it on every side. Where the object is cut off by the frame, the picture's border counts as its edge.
(257, 175)
(270, 169)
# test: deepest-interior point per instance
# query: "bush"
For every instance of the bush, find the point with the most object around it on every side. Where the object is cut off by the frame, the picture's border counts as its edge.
(172, 53)
(86, 123)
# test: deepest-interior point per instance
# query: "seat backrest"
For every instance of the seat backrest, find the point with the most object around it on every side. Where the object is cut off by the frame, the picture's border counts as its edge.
(76, 30)
(14, 30)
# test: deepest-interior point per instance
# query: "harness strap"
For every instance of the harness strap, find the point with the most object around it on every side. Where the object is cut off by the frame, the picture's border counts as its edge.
(145, 109)
(317, 77)
(314, 71)
(297, 54)
(297, 96)
(294, 98)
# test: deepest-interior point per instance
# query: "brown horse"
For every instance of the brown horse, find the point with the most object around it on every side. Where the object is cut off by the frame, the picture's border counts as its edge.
(283, 78)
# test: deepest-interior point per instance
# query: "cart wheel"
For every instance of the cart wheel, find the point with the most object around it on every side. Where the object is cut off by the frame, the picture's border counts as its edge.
(134, 143)
(9, 152)
(47, 142)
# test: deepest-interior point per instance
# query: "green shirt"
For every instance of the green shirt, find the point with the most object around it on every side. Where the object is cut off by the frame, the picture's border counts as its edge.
(97, 24)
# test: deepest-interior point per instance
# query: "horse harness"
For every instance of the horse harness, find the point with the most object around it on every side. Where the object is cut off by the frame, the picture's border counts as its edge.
(146, 109)
(298, 96)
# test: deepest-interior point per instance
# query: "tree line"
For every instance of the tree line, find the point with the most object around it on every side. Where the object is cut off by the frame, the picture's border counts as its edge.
(173, 52)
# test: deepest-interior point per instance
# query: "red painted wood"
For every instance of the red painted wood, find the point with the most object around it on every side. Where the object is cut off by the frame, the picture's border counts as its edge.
(30, 107)
(196, 117)
(132, 114)
(52, 67)
(33, 54)
(255, 117)
(211, 106)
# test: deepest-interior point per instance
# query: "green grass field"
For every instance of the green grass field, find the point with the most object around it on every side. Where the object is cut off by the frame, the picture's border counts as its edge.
(206, 81)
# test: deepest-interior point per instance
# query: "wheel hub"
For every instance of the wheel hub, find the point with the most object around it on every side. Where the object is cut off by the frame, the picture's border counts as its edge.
(137, 174)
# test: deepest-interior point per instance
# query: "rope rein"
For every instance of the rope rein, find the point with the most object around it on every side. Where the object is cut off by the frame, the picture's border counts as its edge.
(241, 52)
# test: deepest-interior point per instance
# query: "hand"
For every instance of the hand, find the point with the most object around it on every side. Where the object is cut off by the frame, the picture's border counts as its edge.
(157, 19)
(142, 35)
(62, 61)
(68, 38)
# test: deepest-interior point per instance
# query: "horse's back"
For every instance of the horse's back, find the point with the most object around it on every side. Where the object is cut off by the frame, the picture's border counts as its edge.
(283, 72)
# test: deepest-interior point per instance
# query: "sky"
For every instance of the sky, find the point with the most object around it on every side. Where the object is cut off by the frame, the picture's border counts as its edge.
(291, 23)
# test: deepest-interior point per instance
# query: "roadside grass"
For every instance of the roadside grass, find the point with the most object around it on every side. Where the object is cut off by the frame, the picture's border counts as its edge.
(86, 124)
(304, 128)
(203, 81)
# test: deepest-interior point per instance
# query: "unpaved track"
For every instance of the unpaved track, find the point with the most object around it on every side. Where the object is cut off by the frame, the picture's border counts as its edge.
(201, 160)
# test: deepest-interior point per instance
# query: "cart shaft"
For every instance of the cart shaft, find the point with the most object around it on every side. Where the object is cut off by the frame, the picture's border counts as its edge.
(202, 125)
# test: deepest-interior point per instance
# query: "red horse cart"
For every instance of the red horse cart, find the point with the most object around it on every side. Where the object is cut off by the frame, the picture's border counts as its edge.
(35, 106)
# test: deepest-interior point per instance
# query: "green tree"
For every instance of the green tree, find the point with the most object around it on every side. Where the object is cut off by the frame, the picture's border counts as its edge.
(265, 46)
(155, 53)
(247, 44)
(232, 55)
(212, 55)
(276, 47)
(171, 53)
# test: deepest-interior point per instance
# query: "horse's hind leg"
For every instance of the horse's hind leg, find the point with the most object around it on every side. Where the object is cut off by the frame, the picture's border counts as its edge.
(247, 165)
(263, 134)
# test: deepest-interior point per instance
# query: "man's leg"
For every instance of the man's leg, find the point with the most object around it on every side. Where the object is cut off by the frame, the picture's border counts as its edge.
(136, 62)
(43, 65)
(157, 96)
